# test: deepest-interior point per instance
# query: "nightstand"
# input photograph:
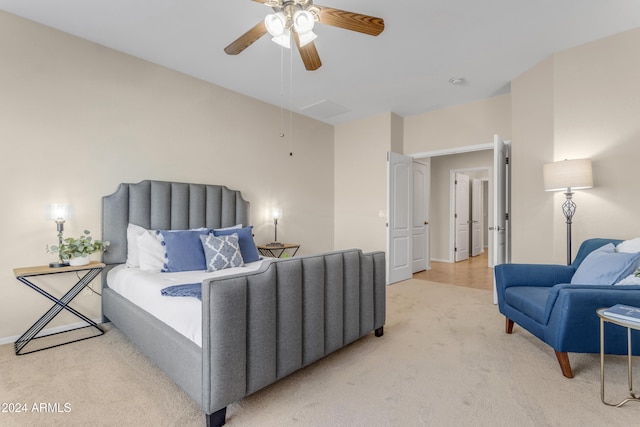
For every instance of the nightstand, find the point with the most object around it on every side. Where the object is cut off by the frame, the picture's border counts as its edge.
(85, 274)
(279, 251)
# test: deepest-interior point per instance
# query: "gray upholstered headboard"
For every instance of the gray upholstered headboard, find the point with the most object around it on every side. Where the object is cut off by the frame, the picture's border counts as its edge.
(161, 205)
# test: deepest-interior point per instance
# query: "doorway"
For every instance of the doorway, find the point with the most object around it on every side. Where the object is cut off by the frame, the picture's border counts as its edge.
(476, 195)
(498, 151)
(475, 164)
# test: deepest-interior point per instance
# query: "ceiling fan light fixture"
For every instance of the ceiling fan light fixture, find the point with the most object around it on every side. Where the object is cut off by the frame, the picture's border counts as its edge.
(276, 24)
(306, 38)
(303, 21)
(284, 39)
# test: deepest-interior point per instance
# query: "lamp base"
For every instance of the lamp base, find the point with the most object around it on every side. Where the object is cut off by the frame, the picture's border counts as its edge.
(275, 244)
(58, 264)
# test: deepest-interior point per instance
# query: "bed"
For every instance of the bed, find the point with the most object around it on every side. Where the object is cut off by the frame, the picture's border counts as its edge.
(258, 323)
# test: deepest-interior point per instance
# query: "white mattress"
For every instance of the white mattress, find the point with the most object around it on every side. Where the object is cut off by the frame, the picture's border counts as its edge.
(184, 314)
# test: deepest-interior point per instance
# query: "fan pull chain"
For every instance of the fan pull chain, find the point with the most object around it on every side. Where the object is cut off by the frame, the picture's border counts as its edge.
(281, 92)
(290, 102)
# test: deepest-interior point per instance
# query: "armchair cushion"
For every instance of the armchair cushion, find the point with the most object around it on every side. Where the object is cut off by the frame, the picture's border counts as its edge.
(530, 300)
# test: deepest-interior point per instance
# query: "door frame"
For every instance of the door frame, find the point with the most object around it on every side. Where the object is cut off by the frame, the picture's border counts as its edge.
(460, 150)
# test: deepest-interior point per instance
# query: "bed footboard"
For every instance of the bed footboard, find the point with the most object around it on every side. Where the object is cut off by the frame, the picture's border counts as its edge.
(259, 327)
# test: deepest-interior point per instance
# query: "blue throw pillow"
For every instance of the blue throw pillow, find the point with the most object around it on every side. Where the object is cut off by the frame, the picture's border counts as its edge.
(245, 238)
(605, 266)
(183, 250)
(221, 252)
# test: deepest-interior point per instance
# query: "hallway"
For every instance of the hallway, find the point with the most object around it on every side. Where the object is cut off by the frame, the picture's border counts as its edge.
(472, 273)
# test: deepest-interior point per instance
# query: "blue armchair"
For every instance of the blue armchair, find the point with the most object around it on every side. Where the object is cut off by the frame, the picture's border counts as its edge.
(541, 299)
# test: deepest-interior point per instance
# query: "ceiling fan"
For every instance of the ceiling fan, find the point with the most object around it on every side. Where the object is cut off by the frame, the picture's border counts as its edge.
(295, 18)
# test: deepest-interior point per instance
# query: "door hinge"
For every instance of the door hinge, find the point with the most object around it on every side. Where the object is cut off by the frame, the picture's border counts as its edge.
(506, 216)
(455, 249)
(455, 215)
(506, 160)
(455, 182)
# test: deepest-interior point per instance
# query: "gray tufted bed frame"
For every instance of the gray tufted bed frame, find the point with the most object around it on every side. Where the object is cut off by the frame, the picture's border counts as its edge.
(259, 326)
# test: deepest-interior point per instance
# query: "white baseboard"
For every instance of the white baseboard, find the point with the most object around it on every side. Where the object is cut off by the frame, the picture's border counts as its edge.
(50, 331)
(441, 260)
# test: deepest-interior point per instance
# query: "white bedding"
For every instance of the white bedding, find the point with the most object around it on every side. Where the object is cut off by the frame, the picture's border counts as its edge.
(184, 314)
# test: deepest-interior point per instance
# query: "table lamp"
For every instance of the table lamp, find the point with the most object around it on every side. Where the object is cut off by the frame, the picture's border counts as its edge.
(58, 212)
(277, 213)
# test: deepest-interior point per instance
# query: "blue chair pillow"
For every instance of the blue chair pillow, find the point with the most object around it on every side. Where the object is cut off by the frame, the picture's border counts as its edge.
(605, 266)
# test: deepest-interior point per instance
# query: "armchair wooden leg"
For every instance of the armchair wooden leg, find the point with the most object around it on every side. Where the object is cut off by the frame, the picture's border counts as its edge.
(509, 326)
(563, 359)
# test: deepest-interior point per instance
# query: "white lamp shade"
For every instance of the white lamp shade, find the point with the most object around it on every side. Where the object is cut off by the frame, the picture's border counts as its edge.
(306, 38)
(568, 175)
(276, 24)
(56, 211)
(303, 21)
(284, 40)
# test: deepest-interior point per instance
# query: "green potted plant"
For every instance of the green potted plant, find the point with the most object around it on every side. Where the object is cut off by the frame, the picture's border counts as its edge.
(77, 250)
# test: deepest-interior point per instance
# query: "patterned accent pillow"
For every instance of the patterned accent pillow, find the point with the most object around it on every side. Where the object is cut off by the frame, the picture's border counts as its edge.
(221, 252)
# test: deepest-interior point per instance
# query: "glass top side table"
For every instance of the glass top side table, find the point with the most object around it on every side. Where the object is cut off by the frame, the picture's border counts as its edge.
(630, 325)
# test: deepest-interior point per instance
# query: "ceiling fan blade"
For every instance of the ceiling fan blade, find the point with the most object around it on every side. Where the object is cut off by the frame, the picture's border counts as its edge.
(351, 21)
(247, 39)
(309, 54)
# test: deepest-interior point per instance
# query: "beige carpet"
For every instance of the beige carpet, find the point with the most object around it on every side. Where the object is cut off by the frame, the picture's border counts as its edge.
(444, 360)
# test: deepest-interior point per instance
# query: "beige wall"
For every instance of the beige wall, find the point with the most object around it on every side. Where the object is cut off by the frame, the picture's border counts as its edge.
(76, 119)
(532, 219)
(583, 102)
(361, 180)
(460, 126)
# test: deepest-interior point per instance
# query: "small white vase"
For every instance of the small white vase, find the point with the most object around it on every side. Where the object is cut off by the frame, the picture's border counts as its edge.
(81, 260)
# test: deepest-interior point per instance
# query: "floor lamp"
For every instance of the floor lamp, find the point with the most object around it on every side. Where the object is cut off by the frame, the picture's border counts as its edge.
(568, 175)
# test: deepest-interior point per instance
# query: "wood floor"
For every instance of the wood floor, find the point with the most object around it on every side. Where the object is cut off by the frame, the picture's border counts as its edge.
(473, 273)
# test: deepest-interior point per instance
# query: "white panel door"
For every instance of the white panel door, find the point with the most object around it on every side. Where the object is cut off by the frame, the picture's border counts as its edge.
(499, 201)
(477, 205)
(399, 208)
(461, 217)
(420, 228)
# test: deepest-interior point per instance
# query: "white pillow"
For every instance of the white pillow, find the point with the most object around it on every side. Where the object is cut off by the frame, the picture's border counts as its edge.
(631, 279)
(150, 251)
(133, 254)
(630, 246)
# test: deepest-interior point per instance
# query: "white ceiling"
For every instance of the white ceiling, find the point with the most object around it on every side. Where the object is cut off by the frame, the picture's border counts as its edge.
(405, 70)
